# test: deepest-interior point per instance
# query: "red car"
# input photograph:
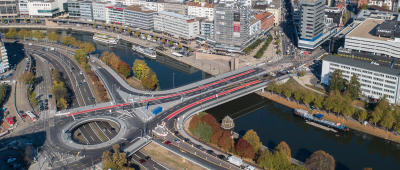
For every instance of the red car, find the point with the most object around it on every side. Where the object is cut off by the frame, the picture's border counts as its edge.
(142, 161)
(168, 142)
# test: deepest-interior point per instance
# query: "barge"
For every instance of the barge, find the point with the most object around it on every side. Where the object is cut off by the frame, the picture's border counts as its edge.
(106, 39)
(318, 118)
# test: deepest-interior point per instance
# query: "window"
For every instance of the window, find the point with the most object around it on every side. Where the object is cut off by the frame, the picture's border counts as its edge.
(389, 86)
(366, 76)
(389, 91)
(391, 82)
(375, 78)
(380, 84)
(366, 81)
(368, 72)
(336, 65)
(377, 93)
(391, 77)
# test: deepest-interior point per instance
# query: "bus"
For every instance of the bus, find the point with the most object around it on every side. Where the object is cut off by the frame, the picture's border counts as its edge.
(31, 116)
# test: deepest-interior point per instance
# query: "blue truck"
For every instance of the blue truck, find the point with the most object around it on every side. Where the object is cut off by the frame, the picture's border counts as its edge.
(157, 110)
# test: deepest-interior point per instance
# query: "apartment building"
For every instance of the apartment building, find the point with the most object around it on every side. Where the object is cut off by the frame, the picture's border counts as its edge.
(255, 26)
(201, 9)
(81, 10)
(376, 81)
(334, 15)
(4, 57)
(23, 8)
(376, 14)
(9, 8)
(207, 28)
(155, 5)
(177, 25)
(179, 8)
(275, 10)
(267, 20)
(99, 11)
(139, 17)
(390, 4)
(115, 15)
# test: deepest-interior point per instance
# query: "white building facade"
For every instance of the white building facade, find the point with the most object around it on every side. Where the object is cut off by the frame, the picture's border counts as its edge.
(177, 25)
(376, 81)
(99, 11)
(23, 8)
(201, 9)
(255, 26)
(46, 9)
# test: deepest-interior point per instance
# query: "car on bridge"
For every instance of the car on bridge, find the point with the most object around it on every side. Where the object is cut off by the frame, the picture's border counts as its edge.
(177, 140)
(142, 161)
(168, 142)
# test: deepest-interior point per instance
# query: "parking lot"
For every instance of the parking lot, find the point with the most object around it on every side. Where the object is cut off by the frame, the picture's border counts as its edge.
(7, 161)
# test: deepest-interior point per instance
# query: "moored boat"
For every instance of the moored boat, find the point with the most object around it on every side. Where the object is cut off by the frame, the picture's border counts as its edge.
(145, 51)
(106, 39)
(318, 118)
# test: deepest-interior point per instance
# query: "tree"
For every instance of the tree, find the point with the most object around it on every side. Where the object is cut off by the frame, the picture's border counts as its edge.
(52, 36)
(120, 29)
(80, 55)
(337, 81)
(354, 87)
(271, 86)
(190, 49)
(78, 44)
(244, 149)
(129, 31)
(38, 35)
(362, 115)
(278, 89)
(2, 20)
(112, 27)
(252, 137)
(171, 43)
(33, 100)
(15, 20)
(88, 47)
(345, 17)
(278, 41)
(137, 33)
(376, 115)
(124, 69)
(398, 10)
(302, 73)
(59, 90)
(36, 20)
(62, 104)
(328, 103)
(320, 160)
(201, 114)
(284, 147)
(203, 131)
(225, 141)
(56, 75)
(154, 38)
(12, 33)
(27, 78)
(288, 91)
(180, 46)
(215, 137)
(68, 40)
(148, 83)
(308, 97)
(318, 100)
(364, 6)
(266, 159)
(385, 6)
(278, 51)
(162, 40)
(140, 69)
(116, 160)
(194, 123)
(104, 26)
(212, 122)
(387, 121)
(145, 35)
(95, 24)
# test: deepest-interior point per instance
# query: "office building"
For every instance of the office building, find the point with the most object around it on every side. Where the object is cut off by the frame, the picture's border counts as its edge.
(99, 11)
(81, 10)
(154, 5)
(201, 9)
(231, 26)
(207, 29)
(376, 81)
(139, 17)
(176, 25)
(376, 14)
(390, 4)
(255, 26)
(334, 15)
(23, 8)
(45, 9)
(375, 37)
(312, 30)
(274, 8)
(179, 8)
(9, 8)
(267, 20)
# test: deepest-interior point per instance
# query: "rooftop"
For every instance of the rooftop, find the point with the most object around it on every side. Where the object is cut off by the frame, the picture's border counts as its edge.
(260, 7)
(198, 4)
(253, 20)
(260, 16)
(379, 8)
(367, 29)
(172, 14)
(364, 65)
(340, 6)
(138, 8)
(227, 123)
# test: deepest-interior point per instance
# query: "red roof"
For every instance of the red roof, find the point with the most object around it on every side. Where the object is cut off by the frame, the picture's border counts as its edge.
(10, 120)
(340, 6)
(260, 16)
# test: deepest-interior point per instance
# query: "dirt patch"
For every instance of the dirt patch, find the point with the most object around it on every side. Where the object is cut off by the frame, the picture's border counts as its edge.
(332, 117)
(359, 103)
(135, 83)
(168, 158)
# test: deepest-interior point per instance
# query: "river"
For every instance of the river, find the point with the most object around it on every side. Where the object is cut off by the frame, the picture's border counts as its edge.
(274, 123)
(170, 72)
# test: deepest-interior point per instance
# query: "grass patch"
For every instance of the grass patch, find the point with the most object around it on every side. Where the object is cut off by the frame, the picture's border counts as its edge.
(168, 158)
(135, 83)
(317, 88)
(359, 103)
(99, 132)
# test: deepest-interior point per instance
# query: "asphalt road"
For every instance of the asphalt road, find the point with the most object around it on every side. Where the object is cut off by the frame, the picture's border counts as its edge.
(105, 125)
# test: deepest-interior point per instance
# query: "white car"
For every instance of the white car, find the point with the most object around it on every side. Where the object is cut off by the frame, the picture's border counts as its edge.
(80, 72)
(98, 67)
(30, 44)
(84, 80)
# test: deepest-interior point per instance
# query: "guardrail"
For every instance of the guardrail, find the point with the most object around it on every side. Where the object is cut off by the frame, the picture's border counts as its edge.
(30, 66)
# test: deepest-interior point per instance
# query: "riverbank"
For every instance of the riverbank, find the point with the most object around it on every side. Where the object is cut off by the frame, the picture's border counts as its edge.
(332, 117)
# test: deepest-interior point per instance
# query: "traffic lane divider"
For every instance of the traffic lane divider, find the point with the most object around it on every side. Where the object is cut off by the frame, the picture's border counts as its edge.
(101, 108)
(209, 98)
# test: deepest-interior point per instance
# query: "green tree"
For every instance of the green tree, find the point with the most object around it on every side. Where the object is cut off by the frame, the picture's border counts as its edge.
(2, 20)
(62, 104)
(318, 100)
(266, 159)
(27, 78)
(387, 121)
(354, 87)
(25, 19)
(53, 36)
(364, 6)
(337, 81)
(140, 69)
(163, 40)
(104, 26)
(137, 33)
(12, 33)
(278, 51)
(288, 91)
(112, 27)
(80, 55)
(39, 35)
(180, 46)
(362, 115)
(129, 31)
(203, 131)
(302, 73)
(271, 86)
(120, 29)
(308, 97)
(201, 114)
(329, 102)
(59, 90)
(320, 160)
(68, 40)
(385, 6)
(284, 147)
(252, 137)
(145, 35)
(148, 83)
(56, 75)
(115, 160)
(190, 49)
(298, 94)
(171, 43)
(33, 100)
(278, 89)
(278, 41)
(154, 37)
(124, 69)
(345, 17)
(15, 20)
(88, 47)
(95, 24)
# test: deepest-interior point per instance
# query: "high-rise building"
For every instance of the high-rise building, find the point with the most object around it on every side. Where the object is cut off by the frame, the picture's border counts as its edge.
(231, 26)
(179, 26)
(81, 10)
(312, 30)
